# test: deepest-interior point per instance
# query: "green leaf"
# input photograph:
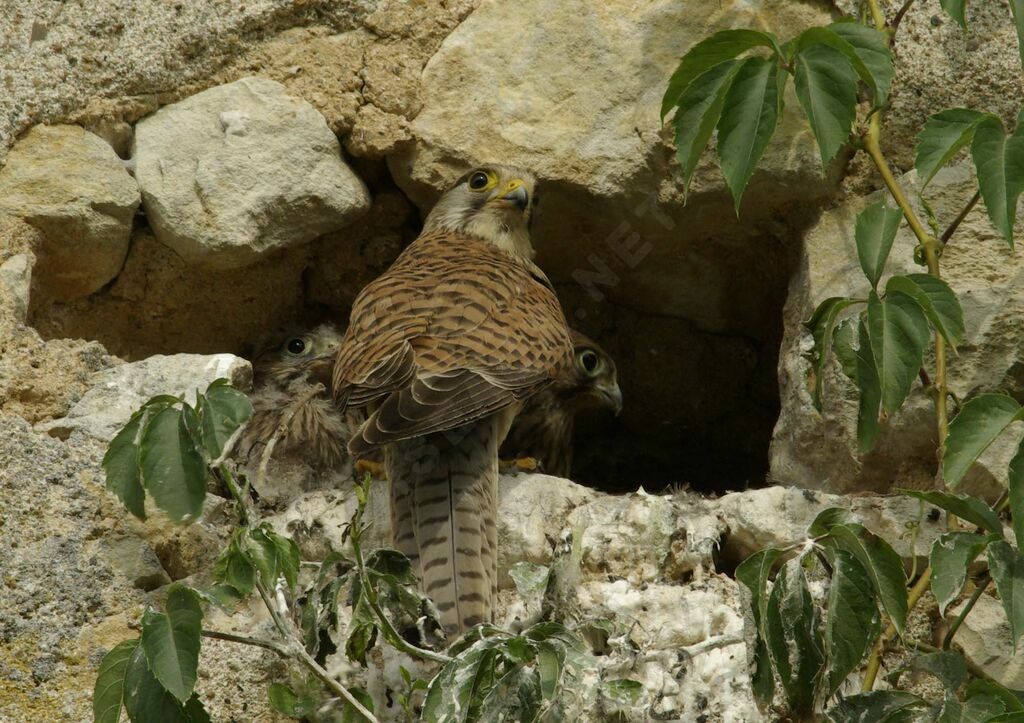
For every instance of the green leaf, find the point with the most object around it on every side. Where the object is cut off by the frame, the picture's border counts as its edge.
(1006, 564)
(623, 691)
(964, 507)
(843, 347)
(1017, 11)
(233, 567)
(121, 463)
(224, 409)
(529, 578)
(145, 699)
(723, 45)
(349, 714)
(195, 711)
(287, 557)
(822, 325)
(883, 566)
(172, 469)
(749, 117)
(979, 422)
(899, 332)
(108, 693)
(956, 10)
(947, 665)
(262, 553)
(753, 574)
(872, 48)
(874, 707)
(285, 702)
(939, 303)
(990, 688)
(700, 108)
(171, 641)
(1015, 489)
(951, 555)
(875, 231)
(829, 518)
(826, 87)
(852, 624)
(981, 709)
(791, 638)
(1000, 164)
(870, 390)
(943, 135)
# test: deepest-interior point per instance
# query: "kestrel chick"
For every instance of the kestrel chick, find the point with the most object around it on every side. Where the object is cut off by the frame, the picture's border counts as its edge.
(286, 375)
(441, 350)
(543, 429)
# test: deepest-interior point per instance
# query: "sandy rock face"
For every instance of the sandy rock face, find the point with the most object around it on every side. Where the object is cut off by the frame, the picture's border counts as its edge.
(70, 185)
(240, 170)
(820, 450)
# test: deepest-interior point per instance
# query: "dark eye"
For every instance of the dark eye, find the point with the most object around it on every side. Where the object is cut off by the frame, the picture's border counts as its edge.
(296, 346)
(588, 361)
(478, 181)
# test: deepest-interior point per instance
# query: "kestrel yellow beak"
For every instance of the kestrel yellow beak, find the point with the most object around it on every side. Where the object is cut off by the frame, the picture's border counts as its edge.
(515, 194)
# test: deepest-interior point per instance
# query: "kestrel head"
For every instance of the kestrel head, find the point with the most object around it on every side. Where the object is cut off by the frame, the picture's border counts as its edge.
(309, 354)
(593, 380)
(491, 203)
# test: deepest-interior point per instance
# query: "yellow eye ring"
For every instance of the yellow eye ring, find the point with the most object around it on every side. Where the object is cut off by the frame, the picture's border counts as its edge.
(481, 181)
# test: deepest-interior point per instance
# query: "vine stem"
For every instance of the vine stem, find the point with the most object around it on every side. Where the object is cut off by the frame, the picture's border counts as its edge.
(293, 649)
(875, 661)
(978, 591)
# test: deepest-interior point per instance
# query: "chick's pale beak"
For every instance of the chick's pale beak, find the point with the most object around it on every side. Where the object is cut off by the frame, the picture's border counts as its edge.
(612, 396)
(516, 193)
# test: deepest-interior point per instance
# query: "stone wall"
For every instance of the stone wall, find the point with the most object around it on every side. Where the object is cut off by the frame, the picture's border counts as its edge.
(184, 177)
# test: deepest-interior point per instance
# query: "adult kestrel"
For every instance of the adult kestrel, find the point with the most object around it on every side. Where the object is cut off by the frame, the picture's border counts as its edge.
(441, 350)
(543, 429)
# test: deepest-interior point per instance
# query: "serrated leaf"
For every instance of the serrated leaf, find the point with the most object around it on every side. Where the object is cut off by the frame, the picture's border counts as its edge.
(875, 231)
(1006, 564)
(965, 507)
(172, 469)
(623, 691)
(753, 574)
(826, 87)
(869, 386)
(700, 108)
(943, 135)
(529, 578)
(723, 45)
(898, 331)
(108, 693)
(883, 566)
(939, 303)
(852, 623)
(956, 9)
(950, 557)
(224, 410)
(121, 463)
(981, 709)
(262, 553)
(821, 325)
(171, 641)
(1015, 490)
(285, 702)
(287, 557)
(145, 699)
(872, 48)
(980, 421)
(791, 638)
(749, 117)
(999, 161)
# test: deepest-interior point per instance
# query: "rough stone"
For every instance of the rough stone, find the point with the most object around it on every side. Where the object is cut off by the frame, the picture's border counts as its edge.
(70, 185)
(984, 639)
(117, 392)
(15, 284)
(820, 451)
(241, 170)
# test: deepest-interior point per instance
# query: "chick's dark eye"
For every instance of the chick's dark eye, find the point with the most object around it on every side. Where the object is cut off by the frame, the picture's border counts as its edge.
(478, 181)
(588, 360)
(295, 346)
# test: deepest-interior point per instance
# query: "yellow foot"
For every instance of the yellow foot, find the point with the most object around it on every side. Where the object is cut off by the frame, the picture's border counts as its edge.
(374, 469)
(522, 464)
